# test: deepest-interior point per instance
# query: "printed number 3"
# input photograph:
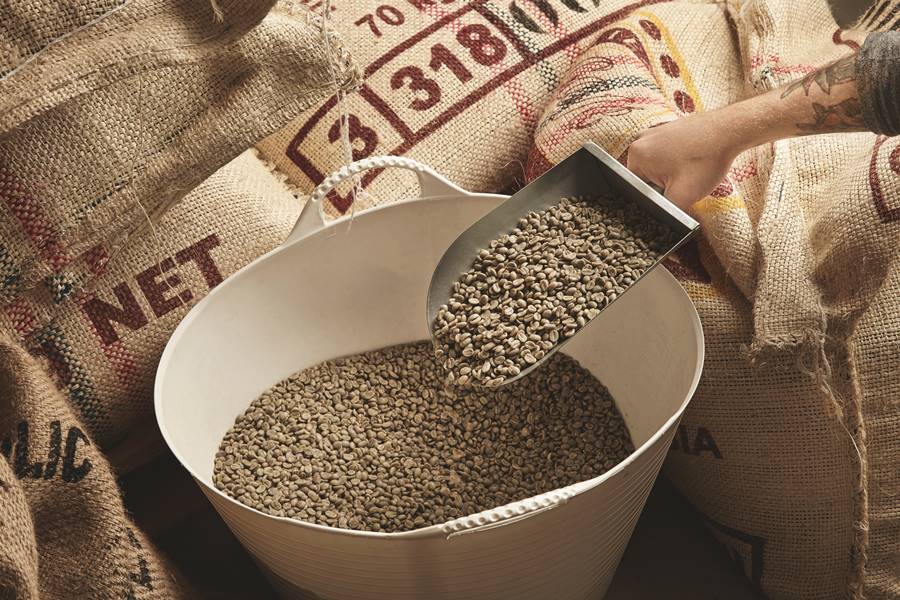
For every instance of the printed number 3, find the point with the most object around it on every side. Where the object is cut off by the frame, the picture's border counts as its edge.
(418, 82)
(357, 133)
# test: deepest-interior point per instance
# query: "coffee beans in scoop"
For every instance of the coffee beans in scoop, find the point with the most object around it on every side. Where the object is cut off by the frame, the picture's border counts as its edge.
(538, 285)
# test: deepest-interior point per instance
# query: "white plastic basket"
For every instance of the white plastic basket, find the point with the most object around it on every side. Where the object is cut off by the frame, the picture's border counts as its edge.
(344, 288)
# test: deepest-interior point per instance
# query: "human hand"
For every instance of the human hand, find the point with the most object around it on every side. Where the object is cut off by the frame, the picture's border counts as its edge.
(687, 157)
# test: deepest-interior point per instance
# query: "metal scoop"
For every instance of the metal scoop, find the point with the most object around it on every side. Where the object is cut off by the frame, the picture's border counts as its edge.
(588, 172)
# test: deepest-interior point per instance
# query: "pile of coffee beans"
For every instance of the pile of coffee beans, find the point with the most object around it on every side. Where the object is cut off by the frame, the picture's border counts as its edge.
(542, 282)
(380, 442)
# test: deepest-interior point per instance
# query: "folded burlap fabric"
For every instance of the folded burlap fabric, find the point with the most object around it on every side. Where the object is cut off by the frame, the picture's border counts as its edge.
(789, 445)
(110, 113)
(64, 532)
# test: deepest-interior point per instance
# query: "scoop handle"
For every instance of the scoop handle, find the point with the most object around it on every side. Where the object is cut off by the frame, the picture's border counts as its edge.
(312, 217)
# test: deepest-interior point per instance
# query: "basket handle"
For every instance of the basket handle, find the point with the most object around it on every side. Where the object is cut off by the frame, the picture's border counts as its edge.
(431, 184)
(508, 514)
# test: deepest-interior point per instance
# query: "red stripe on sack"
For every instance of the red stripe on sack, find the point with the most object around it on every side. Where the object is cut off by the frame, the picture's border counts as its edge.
(795, 69)
(885, 212)
(63, 365)
(538, 164)
(758, 60)
(744, 172)
(22, 318)
(97, 258)
(37, 227)
(838, 38)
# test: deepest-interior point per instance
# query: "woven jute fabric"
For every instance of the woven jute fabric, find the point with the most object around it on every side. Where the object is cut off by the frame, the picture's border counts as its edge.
(457, 85)
(103, 343)
(789, 446)
(64, 532)
(110, 113)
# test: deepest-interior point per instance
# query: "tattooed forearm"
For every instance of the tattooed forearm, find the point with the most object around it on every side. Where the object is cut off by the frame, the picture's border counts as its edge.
(841, 71)
(829, 101)
(843, 116)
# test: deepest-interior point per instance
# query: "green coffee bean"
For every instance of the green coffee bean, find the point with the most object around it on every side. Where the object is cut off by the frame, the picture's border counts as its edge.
(543, 282)
(406, 450)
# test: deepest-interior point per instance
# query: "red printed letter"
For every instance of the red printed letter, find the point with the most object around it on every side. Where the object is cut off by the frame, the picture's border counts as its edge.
(155, 290)
(199, 253)
(102, 314)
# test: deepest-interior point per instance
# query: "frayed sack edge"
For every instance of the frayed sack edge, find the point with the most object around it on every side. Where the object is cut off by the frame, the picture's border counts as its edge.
(830, 362)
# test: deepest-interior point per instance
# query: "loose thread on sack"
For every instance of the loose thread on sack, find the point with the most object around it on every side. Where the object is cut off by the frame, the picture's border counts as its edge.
(356, 189)
(113, 249)
(517, 169)
(855, 419)
(344, 117)
(811, 358)
(115, 243)
(218, 13)
(65, 36)
(813, 350)
(158, 251)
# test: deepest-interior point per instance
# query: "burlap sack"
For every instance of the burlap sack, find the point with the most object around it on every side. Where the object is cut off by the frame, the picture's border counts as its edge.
(63, 529)
(788, 447)
(103, 342)
(110, 124)
(110, 112)
(456, 84)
